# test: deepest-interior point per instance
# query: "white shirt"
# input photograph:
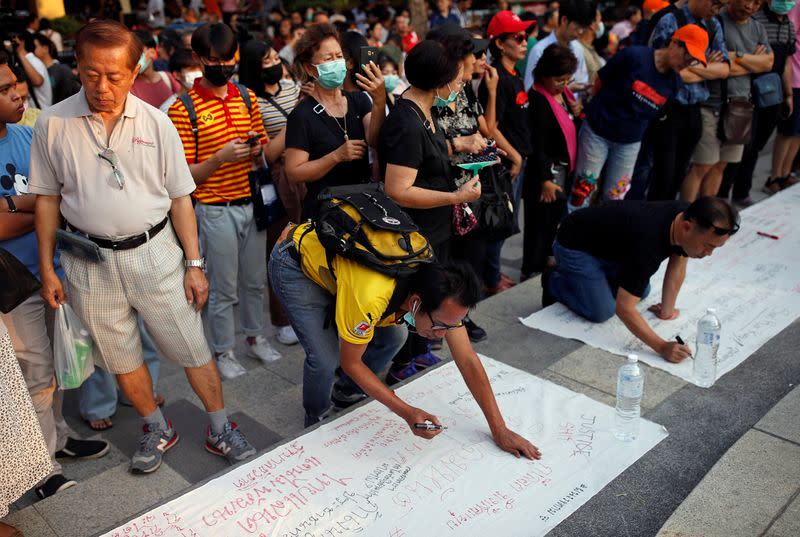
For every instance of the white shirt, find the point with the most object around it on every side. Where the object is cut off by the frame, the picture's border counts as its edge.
(581, 73)
(44, 93)
(65, 161)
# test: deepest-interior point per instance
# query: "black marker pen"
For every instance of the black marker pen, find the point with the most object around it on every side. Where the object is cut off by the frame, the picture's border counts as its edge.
(430, 427)
(679, 340)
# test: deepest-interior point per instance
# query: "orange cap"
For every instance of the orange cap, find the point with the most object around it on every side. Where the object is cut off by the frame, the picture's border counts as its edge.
(695, 39)
(654, 5)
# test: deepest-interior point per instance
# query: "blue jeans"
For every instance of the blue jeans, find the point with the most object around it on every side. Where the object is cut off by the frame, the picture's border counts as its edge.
(307, 305)
(98, 394)
(235, 251)
(597, 156)
(585, 284)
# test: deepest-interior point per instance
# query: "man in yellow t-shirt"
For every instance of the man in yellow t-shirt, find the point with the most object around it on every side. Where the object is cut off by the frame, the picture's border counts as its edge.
(358, 318)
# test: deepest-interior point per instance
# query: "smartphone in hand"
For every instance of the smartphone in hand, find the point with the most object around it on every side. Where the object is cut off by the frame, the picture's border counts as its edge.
(368, 54)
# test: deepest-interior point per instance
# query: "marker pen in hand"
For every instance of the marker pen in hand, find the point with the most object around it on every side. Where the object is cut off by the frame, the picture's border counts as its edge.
(430, 427)
(679, 340)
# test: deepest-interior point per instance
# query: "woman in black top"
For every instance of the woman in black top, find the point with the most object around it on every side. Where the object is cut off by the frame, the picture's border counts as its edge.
(328, 133)
(413, 150)
(554, 141)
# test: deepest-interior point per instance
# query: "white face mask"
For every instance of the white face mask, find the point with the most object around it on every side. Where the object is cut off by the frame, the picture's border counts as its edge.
(188, 78)
(601, 30)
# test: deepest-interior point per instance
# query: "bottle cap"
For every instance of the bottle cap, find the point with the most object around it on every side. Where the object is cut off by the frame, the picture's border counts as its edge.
(632, 358)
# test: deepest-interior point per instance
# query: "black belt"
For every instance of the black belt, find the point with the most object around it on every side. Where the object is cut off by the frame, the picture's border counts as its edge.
(234, 203)
(123, 244)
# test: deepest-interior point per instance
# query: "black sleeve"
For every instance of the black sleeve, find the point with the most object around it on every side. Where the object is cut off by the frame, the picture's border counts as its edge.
(400, 140)
(298, 131)
(363, 103)
(539, 160)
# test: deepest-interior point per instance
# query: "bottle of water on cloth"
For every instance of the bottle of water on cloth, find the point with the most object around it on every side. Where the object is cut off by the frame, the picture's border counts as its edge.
(630, 388)
(705, 355)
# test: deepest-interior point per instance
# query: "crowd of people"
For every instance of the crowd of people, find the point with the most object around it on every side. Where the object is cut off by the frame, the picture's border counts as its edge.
(192, 154)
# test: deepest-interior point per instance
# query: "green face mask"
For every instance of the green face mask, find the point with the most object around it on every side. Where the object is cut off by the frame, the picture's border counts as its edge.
(441, 103)
(332, 73)
(782, 7)
(144, 63)
(391, 82)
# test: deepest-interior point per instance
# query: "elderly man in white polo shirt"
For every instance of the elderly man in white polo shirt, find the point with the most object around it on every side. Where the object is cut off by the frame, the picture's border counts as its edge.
(114, 168)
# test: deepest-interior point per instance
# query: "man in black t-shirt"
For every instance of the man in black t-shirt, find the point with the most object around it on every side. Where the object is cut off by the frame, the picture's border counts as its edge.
(606, 255)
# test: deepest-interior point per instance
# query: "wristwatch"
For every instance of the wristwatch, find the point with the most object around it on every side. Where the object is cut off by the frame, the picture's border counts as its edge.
(739, 55)
(12, 207)
(195, 263)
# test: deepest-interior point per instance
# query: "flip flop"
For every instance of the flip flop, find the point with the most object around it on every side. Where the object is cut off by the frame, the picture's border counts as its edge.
(107, 424)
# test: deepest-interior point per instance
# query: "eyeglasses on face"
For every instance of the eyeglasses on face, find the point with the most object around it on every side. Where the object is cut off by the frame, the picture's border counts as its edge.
(109, 156)
(436, 327)
(719, 231)
(518, 38)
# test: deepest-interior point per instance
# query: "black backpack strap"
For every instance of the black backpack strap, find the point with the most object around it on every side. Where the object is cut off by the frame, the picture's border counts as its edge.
(278, 107)
(401, 289)
(245, 95)
(189, 105)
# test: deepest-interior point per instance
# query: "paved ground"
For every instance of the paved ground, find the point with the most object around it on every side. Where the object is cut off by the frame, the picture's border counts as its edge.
(730, 466)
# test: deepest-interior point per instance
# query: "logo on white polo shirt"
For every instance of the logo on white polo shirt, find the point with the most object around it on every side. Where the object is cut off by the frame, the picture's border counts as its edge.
(138, 140)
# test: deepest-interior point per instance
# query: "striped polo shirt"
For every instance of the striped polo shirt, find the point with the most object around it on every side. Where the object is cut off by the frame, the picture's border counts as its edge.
(218, 122)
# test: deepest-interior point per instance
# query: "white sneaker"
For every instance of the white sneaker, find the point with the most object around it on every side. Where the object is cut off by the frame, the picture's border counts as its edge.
(286, 335)
(263, 351)
(229, 367)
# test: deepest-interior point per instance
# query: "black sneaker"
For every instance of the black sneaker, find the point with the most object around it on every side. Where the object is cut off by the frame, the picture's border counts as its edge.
(547, 298)
(56, 483)
(475, 332)
(342, 399)
(83, 449)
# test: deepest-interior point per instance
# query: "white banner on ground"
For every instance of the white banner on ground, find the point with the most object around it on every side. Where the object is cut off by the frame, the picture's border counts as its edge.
(365, 473)
(753, 282)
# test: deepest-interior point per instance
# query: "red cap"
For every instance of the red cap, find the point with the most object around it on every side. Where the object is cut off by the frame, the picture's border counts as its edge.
(654, 5)
(506, 22)
(695, 39)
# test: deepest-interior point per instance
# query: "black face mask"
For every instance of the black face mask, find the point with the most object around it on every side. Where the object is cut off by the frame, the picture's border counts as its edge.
(219, 75)
(272, 75)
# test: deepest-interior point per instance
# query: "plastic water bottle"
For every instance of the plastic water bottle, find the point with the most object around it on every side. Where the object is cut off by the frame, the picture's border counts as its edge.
(630, 387)
(705, 354)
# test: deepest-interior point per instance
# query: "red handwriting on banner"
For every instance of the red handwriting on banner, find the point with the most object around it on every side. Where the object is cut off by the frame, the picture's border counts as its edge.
(490, 505)
(354, 511)
(151, 525)
(281, 496)
(536, 474)
(273, 461)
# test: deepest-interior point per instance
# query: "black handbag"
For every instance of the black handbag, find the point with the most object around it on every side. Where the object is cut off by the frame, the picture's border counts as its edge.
(18, 282)
(267, 204)
(495, 209)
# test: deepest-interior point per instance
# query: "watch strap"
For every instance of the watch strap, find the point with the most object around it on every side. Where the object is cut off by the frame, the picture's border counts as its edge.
(12, 207)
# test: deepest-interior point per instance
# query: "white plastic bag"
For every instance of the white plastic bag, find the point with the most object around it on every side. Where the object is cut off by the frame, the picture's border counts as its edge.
(72, 349)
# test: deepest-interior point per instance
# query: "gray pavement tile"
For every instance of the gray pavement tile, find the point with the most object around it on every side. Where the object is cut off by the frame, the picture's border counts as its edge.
(783, 420)
(247, 391)
(190, 458)
(105, 499)
(598, 369)
(788, 523)
(289, 367)
(575, 386)
(519, 301)
(30, 523)
(517, 345)
(280, 410)
(744, 491)
(702, 425)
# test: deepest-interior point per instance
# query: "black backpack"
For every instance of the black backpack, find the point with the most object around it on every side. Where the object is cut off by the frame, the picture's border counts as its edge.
(360, 222)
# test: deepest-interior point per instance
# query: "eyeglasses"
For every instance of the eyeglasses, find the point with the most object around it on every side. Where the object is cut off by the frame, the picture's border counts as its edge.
(518, 38)
(436, 327)
(109, 156)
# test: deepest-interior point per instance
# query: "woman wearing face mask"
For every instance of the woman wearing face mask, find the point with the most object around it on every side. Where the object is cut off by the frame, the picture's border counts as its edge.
(466, 130)
(391, 79)
(262, 71)
(414, 156)
(328, 133)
